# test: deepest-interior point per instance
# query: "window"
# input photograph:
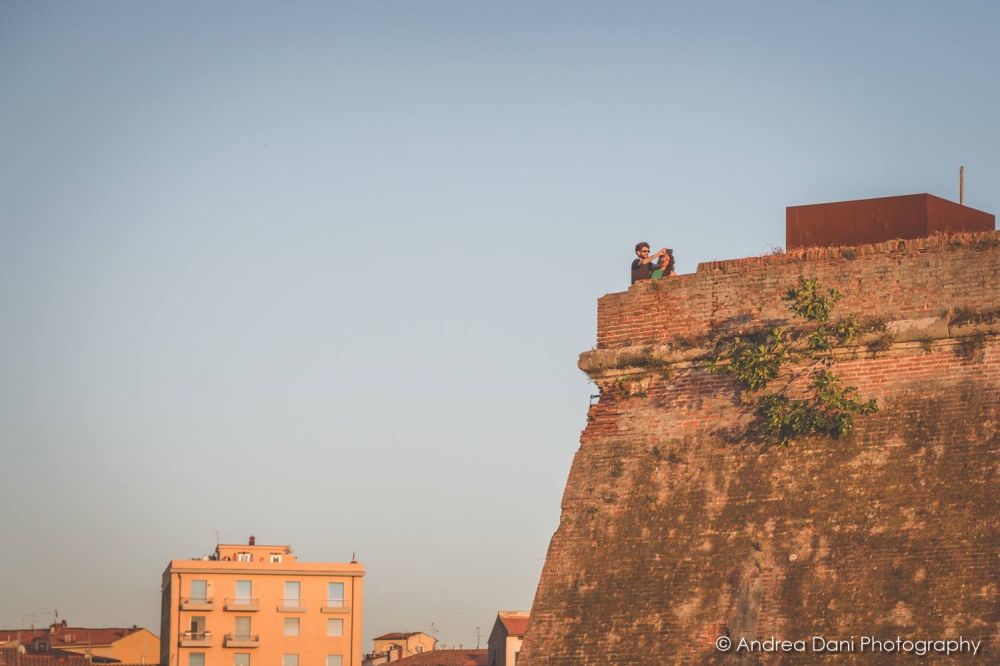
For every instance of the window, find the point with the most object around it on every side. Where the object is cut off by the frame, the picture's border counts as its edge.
(196, 659)
(290, 660)
(335, 595)
(335, 627)
(334, 660)
(198, 627)
(276, 558)
(199, 590)
(242, 629)
(244, 557)
(291, 626)
(241, 659)
(292, 588)
(244, 590)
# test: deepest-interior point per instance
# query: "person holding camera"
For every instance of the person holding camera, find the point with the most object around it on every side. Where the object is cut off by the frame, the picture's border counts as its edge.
(643, 267)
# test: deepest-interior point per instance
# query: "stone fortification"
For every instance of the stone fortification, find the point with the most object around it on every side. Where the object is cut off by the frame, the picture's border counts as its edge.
(674, 531)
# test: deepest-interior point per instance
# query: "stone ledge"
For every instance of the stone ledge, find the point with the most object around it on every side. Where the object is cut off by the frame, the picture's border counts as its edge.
(907, 336)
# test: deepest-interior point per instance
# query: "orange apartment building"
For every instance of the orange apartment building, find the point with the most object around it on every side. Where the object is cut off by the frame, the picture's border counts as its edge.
(251, 605)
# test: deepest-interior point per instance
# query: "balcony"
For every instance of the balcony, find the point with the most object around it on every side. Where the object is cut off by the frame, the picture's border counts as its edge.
(334, 606)
(244, 604)
(196, 639)
(291, 606)
(242, 640)
(197, 603)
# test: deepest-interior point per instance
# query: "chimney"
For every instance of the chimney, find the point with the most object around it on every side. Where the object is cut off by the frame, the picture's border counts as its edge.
(253, 540)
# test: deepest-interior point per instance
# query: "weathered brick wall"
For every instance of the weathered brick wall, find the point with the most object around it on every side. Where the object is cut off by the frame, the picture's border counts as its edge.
(895, 280)
(673, 534)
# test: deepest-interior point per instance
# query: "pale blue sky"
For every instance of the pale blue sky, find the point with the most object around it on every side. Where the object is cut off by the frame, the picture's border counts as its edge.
(348, 254)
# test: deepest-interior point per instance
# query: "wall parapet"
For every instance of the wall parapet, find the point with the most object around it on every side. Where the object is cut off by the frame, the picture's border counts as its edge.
(902, 280)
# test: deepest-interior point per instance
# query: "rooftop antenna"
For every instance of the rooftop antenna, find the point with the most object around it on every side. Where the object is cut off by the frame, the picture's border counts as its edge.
(961, 185)
(478, 637)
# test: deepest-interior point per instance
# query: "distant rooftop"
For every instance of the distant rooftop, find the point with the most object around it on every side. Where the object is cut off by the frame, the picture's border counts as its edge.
(447, 658)
(251, 552)
(263, 558)
(61, 635)
(515, 622)
(398, 636)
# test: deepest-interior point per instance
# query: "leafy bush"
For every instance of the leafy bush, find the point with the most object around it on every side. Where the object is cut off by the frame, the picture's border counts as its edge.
(756, 360)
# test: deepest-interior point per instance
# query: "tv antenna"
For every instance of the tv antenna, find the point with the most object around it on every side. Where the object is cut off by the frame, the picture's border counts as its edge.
(961, 185)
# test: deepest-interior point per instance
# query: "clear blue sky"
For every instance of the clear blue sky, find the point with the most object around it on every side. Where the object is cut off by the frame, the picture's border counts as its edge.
(320, 272)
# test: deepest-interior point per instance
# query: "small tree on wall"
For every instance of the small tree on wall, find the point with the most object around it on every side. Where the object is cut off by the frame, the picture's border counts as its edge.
(780, 356)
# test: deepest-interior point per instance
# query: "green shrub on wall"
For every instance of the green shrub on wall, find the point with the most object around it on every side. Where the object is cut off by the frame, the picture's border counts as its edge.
(779, 356)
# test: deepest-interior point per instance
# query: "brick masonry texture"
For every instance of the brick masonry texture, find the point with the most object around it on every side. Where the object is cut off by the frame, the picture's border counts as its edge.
(675, 531)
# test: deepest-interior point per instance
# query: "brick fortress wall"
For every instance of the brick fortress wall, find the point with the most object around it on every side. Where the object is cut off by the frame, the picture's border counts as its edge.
(672, 534)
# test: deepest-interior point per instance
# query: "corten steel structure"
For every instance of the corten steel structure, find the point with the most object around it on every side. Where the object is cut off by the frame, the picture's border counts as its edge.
(257, 605)
(877, 220)
(679, 526)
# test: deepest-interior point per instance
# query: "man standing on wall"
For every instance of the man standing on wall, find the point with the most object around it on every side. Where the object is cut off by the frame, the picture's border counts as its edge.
(643, 267)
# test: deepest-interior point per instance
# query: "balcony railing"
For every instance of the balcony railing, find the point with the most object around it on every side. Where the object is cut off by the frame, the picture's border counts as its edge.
(242, 640)
(291, 606)
(242, 604)
(197, 603)
(334, 606)
(196, 639)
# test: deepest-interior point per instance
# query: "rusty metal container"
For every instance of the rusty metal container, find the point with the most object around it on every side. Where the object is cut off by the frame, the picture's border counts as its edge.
(876, 220)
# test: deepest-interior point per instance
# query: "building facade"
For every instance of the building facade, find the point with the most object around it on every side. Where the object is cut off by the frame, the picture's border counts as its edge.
(399, 645)
(507, 636)
(250, 605)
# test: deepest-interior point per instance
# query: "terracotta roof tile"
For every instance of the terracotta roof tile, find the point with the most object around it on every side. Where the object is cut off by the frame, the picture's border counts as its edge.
(60, 636)
(447, 658)
(516, 623)
(396, 636)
